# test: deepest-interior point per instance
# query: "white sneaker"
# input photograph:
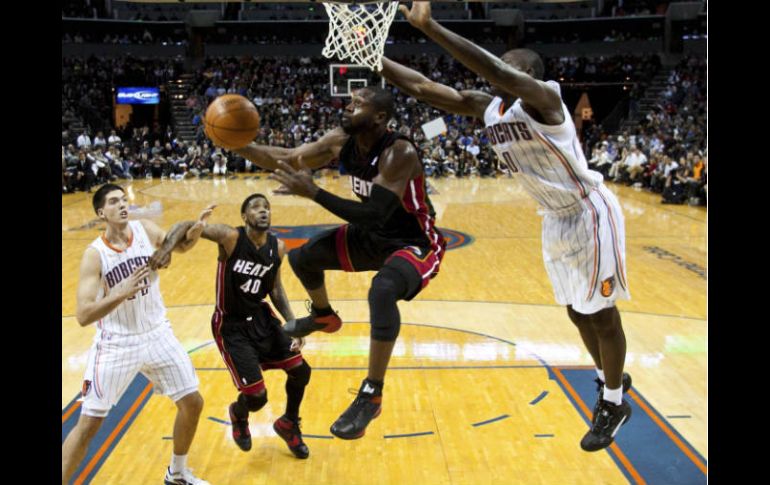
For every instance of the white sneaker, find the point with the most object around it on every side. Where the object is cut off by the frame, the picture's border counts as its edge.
(183, 478)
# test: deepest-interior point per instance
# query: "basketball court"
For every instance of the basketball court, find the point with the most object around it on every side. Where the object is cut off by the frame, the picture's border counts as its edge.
(489, 381)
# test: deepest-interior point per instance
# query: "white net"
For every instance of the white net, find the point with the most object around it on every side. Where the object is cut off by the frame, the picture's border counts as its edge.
(357, 32)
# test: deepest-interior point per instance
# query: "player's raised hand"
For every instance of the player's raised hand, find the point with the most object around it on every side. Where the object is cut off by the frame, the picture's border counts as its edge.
(295, 181)
(161, 258)
(195, 231)
(281, 191)
(139, 280)
(297, 343)
(418, 15)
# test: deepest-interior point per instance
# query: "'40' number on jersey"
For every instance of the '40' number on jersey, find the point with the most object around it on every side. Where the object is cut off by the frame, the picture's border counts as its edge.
(252, 286)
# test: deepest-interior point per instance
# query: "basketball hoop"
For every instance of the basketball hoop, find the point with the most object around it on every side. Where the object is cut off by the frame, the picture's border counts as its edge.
(357, 31)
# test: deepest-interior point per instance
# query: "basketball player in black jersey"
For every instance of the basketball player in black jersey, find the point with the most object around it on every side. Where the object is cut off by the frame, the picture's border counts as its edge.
(391, 231)
(248, 334)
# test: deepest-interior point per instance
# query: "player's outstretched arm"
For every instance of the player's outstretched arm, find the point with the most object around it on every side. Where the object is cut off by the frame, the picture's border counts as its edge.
(479, 60)
(180, 238)
(315, 155)
(467, 103)
(224, 235)
(194, 232)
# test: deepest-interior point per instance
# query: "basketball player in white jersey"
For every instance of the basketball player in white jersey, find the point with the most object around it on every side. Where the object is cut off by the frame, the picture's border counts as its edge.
(532, 132)
(120, 292)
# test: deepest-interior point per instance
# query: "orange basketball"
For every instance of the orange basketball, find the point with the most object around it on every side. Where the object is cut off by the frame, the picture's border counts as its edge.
(231, 121)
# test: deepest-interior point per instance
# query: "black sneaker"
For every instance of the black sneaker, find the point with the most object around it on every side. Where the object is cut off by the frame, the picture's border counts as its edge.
(600, 389)
(608, 420)
(289, 431)
(302, 327)
(367, 406)
(240, 429)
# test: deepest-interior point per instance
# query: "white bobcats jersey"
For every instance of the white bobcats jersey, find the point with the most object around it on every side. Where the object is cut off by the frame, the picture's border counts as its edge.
(548, 159)
(144, 311)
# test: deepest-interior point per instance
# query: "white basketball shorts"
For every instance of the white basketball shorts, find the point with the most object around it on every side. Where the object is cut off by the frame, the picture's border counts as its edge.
(114, 361)
(585, 253)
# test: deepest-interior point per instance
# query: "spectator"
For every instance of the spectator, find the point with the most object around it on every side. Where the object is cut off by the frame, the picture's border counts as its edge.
(99, 140)
(220, 164)
(84, 141)
(634, 164)
(600, 161)
(113, 139)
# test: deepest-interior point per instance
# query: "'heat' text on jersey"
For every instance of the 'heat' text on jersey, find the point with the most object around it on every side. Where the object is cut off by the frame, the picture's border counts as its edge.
(361, 187)
(250, 268)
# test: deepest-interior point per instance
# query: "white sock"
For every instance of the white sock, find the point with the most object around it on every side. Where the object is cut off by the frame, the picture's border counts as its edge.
(600, 373)
(178, 463)
(614, 396)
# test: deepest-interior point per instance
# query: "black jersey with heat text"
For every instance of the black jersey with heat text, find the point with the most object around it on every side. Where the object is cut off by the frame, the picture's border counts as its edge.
(247, 276)
(414, 220)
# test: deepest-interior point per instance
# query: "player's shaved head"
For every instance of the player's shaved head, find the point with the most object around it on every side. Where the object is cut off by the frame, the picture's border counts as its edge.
(381, 99)
(526, 60)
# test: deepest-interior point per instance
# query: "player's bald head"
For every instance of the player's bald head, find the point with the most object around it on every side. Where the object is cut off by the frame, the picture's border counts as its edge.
(525, 60)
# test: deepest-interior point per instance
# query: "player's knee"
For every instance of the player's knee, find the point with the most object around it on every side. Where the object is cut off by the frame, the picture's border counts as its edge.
(192, 403)
(385, 330)
(300, 374)
(88, 426)
(606, 322)
(383, 296)
(386, 287)
(253, 402)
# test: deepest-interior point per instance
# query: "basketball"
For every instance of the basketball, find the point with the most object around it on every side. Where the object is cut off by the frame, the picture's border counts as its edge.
(231, 121)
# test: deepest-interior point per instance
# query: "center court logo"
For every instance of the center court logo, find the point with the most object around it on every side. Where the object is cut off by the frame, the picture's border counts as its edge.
(295, 236)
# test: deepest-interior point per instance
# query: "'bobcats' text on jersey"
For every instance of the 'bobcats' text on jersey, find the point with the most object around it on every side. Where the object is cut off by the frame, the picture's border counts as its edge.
(548, 159)
(145, 310)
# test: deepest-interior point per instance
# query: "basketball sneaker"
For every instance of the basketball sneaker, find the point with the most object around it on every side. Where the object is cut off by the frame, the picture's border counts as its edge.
(185, 477)
(291, 434)
(366, 406)
(607, 421)
(302, 327)
(240, 430)
(600, 389)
